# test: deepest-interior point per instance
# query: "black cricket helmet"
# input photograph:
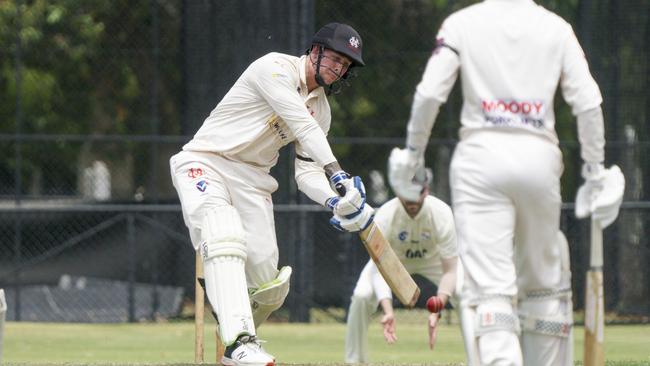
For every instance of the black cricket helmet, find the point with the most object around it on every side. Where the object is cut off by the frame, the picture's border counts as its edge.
(343, 39)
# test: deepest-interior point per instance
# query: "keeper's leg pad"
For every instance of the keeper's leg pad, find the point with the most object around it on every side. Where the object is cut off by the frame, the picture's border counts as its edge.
(547, 335)
(497, 329)
(270, 296)
(223, 251)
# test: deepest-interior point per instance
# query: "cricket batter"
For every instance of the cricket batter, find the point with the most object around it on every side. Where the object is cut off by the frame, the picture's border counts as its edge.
(423, 236)
(223, 181)
(505, 173)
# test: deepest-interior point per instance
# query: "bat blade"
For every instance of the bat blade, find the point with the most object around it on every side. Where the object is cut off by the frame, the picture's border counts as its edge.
(594, 354)
(389, 265)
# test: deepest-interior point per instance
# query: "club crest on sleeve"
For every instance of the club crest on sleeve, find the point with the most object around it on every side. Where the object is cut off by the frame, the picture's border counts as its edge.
(194, 172)
(202, 185)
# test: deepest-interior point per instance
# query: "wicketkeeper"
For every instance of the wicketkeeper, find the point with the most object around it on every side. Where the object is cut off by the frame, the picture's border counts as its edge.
(223, 181)
(505, 173)
(422, 234)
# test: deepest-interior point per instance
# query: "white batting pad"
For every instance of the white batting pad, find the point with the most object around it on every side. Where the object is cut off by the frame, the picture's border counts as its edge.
(270, 296)
(467, 316)
(547, 336)
(497, 329)
(224, 256)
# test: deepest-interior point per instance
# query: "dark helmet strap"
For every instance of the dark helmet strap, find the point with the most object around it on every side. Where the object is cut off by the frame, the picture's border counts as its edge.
(319, 79)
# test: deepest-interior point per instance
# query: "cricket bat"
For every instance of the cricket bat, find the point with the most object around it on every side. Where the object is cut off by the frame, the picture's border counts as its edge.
(389, 265)
(594, 354)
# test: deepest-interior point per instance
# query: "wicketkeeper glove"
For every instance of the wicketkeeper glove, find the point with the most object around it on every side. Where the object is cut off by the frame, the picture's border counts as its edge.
(601, 195)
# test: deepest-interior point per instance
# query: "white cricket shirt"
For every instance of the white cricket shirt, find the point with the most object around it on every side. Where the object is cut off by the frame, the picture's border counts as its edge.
(512, 54)
(423, 240)
(267, 108)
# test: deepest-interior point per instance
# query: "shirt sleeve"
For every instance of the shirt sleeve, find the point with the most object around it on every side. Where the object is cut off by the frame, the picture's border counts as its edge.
(442, 68)
(379, 285)
(277, 83)
(311, 178)
(578, 86)
(437, 81)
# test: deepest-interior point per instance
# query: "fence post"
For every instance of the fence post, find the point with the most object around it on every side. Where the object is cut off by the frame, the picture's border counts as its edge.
(132, 263)
(3, 311)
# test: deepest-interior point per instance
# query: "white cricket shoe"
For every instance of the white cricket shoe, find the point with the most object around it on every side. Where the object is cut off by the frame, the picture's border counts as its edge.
(247, 351)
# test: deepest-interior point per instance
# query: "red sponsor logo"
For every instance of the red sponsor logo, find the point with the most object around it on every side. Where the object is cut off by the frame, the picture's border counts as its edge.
(194, 172)
(513, 106)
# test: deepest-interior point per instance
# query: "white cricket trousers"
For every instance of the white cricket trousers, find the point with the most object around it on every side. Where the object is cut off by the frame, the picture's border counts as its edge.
(205, 180)
(506, 200)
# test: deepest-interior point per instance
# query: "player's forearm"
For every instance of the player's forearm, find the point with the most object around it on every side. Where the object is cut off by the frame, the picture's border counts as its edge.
(424, 111)
(447, 284)
(332, 168)
(311, 181)
(439, 77)
(386, 306)
(591, 134)
(314, 142)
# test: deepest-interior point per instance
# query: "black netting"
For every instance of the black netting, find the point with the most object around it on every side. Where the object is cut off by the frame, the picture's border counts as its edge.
(96, 96)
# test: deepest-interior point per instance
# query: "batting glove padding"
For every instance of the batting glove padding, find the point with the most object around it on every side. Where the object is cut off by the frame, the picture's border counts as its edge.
(352, 202)
(358, 222)
(601, 195)
(403, 164)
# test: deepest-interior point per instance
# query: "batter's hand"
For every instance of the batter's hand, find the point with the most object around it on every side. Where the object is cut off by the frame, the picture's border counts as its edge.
(602, 193)
(433, 328)
(353, 199)
(388, 322)
(358, 222)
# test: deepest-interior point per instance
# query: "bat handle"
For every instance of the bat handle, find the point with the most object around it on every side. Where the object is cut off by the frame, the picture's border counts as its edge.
(340, 189)
(596, 252)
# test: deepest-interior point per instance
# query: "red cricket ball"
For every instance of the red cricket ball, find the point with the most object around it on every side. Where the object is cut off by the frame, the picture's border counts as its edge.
(435, 304)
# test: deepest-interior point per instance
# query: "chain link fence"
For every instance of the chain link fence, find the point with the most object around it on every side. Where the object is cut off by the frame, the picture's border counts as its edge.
(97, 96)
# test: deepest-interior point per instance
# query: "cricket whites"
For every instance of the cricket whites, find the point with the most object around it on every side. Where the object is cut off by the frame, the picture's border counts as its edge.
(594, 354)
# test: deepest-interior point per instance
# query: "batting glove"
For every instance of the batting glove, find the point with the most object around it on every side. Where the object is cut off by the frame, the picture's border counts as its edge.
(358, 222)
(353, 194)
(406, 174)
(602, 193)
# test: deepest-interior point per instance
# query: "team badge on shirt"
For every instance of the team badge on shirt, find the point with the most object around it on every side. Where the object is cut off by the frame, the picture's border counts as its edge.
(202, 185)
(402, 235)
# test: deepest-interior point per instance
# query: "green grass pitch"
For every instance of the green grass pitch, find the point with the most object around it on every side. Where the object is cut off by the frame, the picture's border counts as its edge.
(317, 343)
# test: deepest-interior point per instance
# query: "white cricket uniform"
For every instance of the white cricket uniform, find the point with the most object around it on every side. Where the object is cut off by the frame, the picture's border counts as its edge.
(420, 243)
(505, 172)
(229, 159)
